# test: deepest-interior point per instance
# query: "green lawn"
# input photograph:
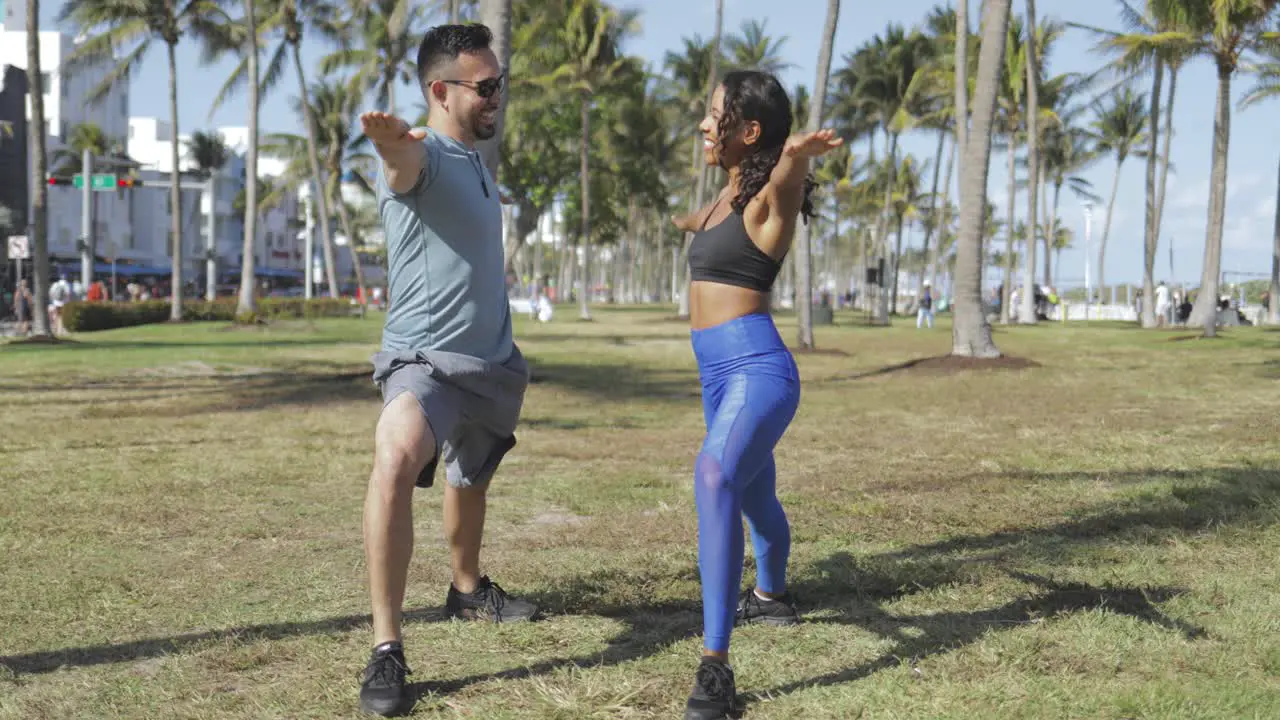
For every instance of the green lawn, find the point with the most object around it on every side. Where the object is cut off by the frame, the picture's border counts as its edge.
(1095, 537)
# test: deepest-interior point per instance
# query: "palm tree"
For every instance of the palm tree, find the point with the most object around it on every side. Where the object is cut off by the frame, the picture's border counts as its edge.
(755, 49)
(496, 15)
(971, 335)
(209, 153)
(336, 105)
(112, 24)
(1268, 77)
(39, 170)
(1148, 45)
(883, 80)
(586, 56)
(1027, 313)
(1119, 129)
(384, 55)
(1229, 31)
(292, 18)
(248, 281)
(962, 88)
(698, 91)
(814, 123)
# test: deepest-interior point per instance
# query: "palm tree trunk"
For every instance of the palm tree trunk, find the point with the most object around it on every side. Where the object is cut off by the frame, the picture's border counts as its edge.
(700, 191)
(933, 209)
(946, 208)
(313, 156)
(248, 281)
(584, 311)
(897, 264)
(455, 6)
(1027, 315)
(1164, 153)
(1152, 238)
(804, 260)
(882, 225)
(1006, 287)
(1106, 231)
(496, 15)
(1273, 314)
(1050, 222)
(347, 229)
(39, 172)
(962, 77)
(1205, 311)
(971, 335)
(175, 192)
(1051, 239)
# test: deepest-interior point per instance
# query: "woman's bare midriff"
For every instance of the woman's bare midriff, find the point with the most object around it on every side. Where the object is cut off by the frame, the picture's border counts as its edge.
(712, 303)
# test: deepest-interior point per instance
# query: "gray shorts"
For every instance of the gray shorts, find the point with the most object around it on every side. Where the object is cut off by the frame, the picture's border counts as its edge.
(471, 406)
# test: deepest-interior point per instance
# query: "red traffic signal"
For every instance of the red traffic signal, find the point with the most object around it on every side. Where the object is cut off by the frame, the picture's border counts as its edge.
(128, 182)
(60, 180)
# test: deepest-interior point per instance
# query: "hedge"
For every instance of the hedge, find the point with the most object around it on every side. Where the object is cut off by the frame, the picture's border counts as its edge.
(88, 317)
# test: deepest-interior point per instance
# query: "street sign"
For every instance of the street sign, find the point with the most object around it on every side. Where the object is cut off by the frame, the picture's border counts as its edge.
(98, 182)
(18, 248)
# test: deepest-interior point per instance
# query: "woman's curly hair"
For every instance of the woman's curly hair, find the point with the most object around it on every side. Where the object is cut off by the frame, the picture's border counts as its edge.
(750, 95)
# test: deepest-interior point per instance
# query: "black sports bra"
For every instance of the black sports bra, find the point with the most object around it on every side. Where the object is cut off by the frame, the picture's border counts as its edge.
(725, 254)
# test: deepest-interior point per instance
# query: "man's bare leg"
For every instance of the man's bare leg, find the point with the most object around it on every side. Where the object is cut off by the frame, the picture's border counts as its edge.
(472, 596)
(464, 530)
(403, 446)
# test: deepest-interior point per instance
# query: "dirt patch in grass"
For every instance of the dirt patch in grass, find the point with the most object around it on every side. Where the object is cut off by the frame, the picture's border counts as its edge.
(948, 364)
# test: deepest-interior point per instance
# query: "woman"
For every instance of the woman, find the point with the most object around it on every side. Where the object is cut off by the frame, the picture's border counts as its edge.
(750, 387)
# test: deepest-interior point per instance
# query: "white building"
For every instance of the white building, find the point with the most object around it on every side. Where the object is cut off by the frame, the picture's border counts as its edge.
(66, 104)
(278, 247)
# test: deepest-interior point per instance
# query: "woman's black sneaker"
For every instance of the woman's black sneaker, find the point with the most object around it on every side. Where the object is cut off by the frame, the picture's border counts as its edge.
(714, 695)
(753, 609)
(383, 692)
(488, 602)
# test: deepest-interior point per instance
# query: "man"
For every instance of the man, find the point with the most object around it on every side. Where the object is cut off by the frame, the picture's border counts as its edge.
(1162, 304)
(925, 311)
(59, 294)
(452, 380)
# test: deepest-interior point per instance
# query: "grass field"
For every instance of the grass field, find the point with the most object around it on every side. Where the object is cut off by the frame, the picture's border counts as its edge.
(1095, 537)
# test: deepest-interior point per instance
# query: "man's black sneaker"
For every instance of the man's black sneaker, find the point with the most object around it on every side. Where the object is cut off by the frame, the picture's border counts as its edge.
(753, 609)
(382, 692)
(488, 602)
(714, 695)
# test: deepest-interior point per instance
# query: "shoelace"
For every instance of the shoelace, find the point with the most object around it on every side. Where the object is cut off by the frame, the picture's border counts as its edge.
(495, 596)
(388, 671)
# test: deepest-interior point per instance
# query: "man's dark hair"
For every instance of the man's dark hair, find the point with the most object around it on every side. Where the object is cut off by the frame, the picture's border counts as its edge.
(443, 43)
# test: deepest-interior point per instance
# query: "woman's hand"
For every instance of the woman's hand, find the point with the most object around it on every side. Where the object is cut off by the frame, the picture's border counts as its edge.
(811, 145)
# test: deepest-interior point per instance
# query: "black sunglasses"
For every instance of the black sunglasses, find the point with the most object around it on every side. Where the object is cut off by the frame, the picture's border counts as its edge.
(483, 88)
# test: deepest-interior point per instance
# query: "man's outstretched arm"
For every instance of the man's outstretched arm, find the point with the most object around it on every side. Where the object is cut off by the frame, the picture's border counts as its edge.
(404, 157)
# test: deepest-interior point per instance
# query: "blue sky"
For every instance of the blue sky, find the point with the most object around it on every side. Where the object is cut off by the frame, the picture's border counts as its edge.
(1255, 150)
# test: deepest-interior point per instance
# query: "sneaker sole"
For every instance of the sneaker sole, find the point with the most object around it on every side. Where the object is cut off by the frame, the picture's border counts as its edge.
(473, 616)
(391, 709)
(771, 621)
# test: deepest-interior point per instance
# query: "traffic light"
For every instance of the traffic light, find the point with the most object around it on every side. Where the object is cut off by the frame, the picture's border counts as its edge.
(60, 180)
(128, 182)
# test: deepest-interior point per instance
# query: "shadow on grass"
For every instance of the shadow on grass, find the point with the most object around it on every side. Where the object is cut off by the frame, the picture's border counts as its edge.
(309, 385)
(841, 588)
(622, 381)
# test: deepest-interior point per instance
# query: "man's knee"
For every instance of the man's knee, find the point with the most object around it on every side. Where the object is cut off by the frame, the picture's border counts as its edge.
(403, 442)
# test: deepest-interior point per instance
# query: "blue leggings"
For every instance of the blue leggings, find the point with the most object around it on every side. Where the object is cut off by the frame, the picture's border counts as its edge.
(750, 391)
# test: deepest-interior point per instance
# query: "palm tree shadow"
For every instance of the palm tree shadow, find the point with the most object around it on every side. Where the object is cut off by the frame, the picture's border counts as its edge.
(939, 633)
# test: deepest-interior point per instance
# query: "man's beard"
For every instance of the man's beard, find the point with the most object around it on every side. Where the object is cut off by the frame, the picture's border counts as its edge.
(484, 131)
